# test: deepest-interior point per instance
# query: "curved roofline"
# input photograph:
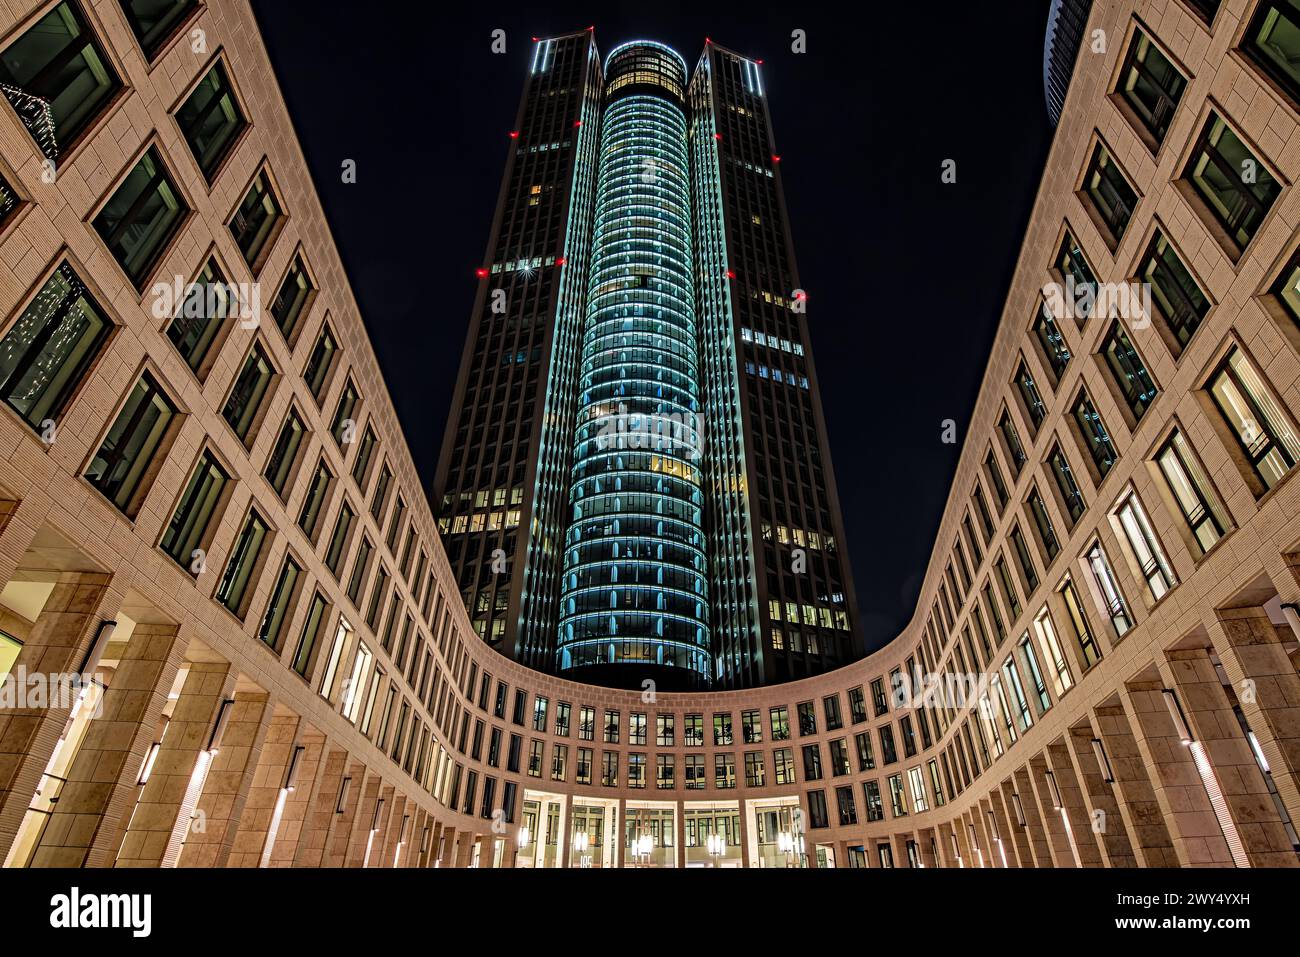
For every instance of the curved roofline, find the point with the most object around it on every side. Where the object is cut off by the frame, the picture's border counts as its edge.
(646, 43)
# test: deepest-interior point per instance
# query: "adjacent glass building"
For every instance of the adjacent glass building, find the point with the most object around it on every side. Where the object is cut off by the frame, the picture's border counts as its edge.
(634, 482)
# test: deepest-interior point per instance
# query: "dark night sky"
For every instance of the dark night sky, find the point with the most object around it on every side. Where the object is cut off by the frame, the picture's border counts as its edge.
(906, 276)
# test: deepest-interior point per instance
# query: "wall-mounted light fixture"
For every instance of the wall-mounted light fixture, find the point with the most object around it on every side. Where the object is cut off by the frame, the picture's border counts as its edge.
(219, 726)
(1020, 809)
(1052, 789)
(344, 787)
(95, 653)
(1176, 712)
(1103, 762)
(291, 772)
(1291, 611)
(146, 769)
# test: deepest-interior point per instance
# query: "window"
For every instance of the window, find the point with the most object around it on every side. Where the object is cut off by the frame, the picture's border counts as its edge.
(751, 727)
(1079, 622)
(1235, 187)
(844, 802)
(857, 705)
(636, 728)
(1205, 9)
(185, 533)
(1035, 676)
(664, 732)
(783, 766)
(866, 760)
(243, 561)
(878, 700)
(309, 517)
(1080, 280)
(126, 457)
(695, 772)
(665, 772)
(724, 771)
(1130, 373)
(1095, 437)
(562, 711)
(807, 718)
(1030, 395)
(755, 774)
(582, 774)
(247, 393)
(1191, 491)
(1021, 548)
(1043, 523)
(612, 719)
(1150, 85)
(207, 304)
(57, 79)
(319, 363)
(839, 749)
(897, 799)
(539, 713)
(343, 425)
(817, 816)
(1015, 451)
(1051, 342)
(1179, 300)
(1145, 549)
(875, 805)
(141, 217)
(1071, 495)
(211, 121)
(1008, 587)
(779, 720)
(285, 452)
(339, 539)
(1264, 437)
(722, 734)
(609, 769)
(277, 609)
(354, 691)
(47, 351)
(916, 781)
(1273, 41)
(693, 734)
(888, 753)
(635, 771)
(1108, 595)
(1058, 667)
(587, 724)
(296, 291)
(831, 706)
(559, 762)
(257, 221)
(995, 477)
(1109, 195)
(154, 22)
(360, 568)
(310, 632)
(365, 452)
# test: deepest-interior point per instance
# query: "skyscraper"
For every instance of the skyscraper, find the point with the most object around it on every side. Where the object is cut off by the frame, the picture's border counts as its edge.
(634, 482)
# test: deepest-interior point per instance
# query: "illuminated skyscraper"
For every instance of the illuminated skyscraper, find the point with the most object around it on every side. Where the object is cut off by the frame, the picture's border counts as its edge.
(639, 345)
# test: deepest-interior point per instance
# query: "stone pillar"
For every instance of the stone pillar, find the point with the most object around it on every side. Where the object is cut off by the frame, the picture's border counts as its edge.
(1063, 852)
(161, 799)
(1137, 799)
(300, 807)
(1103, 809)
(242, 784)
(1035, 830)
(56, 644)
(342, 825)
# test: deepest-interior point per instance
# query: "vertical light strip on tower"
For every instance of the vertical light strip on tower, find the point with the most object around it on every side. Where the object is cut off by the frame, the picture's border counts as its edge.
(634, 571)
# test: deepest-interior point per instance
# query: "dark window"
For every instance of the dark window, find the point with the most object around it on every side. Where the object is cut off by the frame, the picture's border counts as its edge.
(310, 632)
(339, 538)
(9, 201)
(1043, 522)
(1094, 433)
(1150, 85)
(257, 221)
(125, 458)
(154, 22)
(211, 121)
(1109, 193)
(1066, 484)
(1205, 9)
(48, 349)
(1022, 556)
(343, 426)
(285, 452)
(817, 810)
(365, 452)
(277, 609)
(249, 390)
(1237, 189)
(141, 217)
(360, 567)
(57, 78)
(1030, 395)
(1179, 299)
(1015, 450)
(194, 512)
(1130, 372)
(243, 561)
(207, 303)
(1050, 340)
(291, 301)
(1080, 279)
(319, 363)
(1273, 41)
(311, 505)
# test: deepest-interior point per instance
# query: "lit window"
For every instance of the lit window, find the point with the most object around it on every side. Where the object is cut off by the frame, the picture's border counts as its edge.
(1144, 548)
(1264, 436)
(1191, 490)
(1218, 170)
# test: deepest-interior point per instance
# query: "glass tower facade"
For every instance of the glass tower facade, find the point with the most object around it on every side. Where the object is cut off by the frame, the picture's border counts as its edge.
(635, 482)
(634, 590)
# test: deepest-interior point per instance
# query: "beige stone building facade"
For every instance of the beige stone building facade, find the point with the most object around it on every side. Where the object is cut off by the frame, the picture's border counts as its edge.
(209, 512)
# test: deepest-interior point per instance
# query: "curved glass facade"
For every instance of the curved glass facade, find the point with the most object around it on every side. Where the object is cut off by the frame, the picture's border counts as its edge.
(634, 589)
